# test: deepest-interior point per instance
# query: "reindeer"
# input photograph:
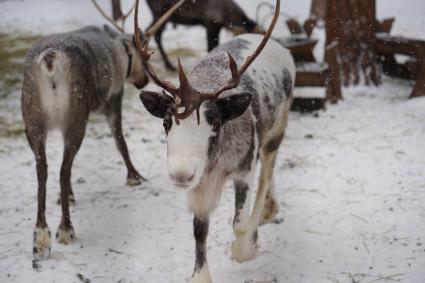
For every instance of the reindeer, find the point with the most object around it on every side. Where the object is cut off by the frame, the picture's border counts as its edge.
(212, 14)
(217, 129)
(67, 76)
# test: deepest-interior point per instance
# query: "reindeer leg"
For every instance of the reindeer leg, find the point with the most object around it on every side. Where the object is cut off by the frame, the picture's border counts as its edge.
(73, 136)
(242, 201)
(158, 40)
(213, 33)
(201, 273)
(271, 206)
(36, 136)
(243, 247)
(242, 216)
(114, 117)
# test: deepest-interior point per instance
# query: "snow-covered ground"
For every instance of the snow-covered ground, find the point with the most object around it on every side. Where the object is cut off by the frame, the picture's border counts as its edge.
(350, 181)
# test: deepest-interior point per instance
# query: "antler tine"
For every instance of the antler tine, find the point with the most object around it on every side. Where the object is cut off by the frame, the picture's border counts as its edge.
(236, 74)
(128, 13)
(124, 17)
(145, 56)
(163, 19)
(108, 18)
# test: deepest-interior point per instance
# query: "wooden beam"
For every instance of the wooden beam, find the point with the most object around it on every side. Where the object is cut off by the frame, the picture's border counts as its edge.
(333, 91)
(419, 88)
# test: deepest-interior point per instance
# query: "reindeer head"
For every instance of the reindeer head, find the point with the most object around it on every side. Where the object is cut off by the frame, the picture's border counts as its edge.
(193, 119)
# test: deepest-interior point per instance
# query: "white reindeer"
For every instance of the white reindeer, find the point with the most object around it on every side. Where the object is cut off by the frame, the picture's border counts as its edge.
(211, 139)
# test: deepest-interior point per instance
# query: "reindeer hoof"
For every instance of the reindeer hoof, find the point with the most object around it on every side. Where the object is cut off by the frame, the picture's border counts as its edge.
(41, 243)
(65, 235)
(243, 249)
(133, 182)
(270, 210)
(135, 179)
(202, 275)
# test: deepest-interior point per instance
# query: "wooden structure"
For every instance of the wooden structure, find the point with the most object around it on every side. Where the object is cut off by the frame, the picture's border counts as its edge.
(353, 25)
(301, 47)
(314, 74)
(389, 45)
(325, 74)
(309, 72)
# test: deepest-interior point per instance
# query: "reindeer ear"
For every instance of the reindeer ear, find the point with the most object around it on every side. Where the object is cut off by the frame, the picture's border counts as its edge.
(156, 103)
(233, 106)
(110, 31)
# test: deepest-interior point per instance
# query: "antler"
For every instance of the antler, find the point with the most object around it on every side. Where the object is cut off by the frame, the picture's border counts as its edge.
(237, 73)
(143, 50)
(109, 19)
(185, 95)
(163, 19)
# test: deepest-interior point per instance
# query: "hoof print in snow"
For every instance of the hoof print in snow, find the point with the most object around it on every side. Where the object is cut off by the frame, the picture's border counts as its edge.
(82, 278)
(36, 265)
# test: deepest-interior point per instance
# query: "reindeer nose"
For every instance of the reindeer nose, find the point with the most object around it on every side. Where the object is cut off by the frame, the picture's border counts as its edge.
(180, 171)
(181, 177)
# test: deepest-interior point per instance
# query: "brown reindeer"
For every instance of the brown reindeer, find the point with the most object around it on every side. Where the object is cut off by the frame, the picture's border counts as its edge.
(212, 14)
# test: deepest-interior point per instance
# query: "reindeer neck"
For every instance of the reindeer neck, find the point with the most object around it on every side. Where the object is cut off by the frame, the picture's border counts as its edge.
(129, 60)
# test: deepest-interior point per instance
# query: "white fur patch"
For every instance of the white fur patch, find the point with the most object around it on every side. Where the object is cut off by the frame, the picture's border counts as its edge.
(204, 198)
(65, 236)
(42, 243)
(54, 88)
(203, 276)
(187, 147)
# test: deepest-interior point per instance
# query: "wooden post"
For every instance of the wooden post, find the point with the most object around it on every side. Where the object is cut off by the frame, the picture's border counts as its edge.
(419, 88)
(117, 13)
(352, 23)
(333, 85)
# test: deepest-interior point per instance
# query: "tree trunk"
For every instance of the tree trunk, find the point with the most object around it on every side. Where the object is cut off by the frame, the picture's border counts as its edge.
(352, 23)
(116, 10)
